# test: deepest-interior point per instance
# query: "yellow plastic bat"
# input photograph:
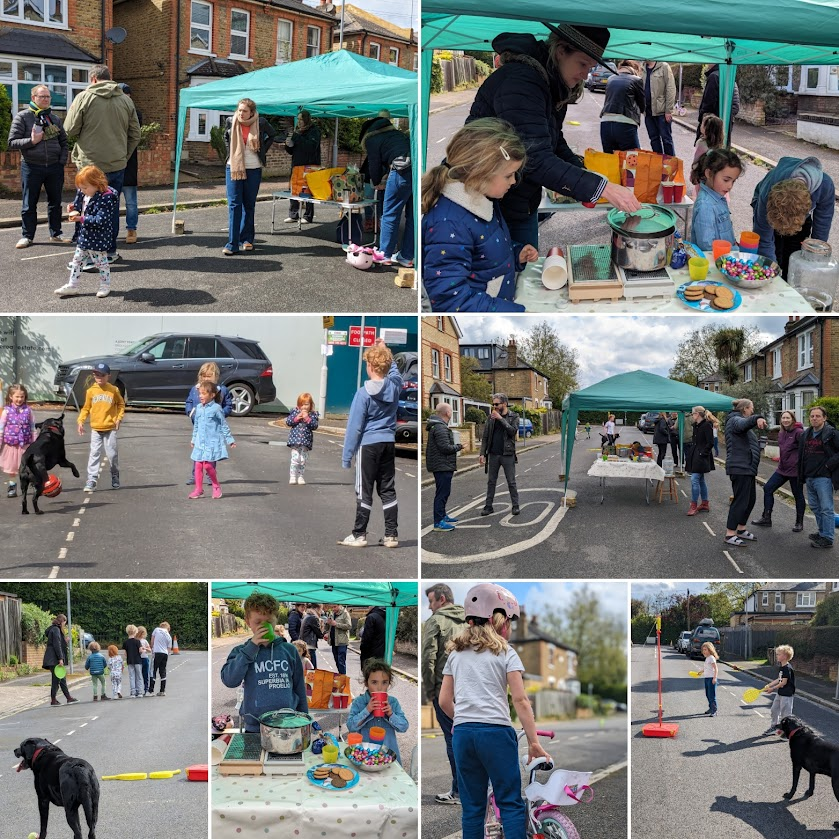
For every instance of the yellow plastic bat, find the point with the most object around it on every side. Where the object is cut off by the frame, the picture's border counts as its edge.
(167, 774)
(126, 776)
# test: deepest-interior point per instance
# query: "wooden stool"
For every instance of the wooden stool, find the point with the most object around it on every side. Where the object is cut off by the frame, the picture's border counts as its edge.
(671, 489)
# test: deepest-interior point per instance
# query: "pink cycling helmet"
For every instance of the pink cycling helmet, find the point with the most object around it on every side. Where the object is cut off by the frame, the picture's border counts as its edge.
(484, 599)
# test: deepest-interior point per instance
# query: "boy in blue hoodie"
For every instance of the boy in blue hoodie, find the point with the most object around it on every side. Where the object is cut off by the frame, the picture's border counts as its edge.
(271, 671)
(371, 434)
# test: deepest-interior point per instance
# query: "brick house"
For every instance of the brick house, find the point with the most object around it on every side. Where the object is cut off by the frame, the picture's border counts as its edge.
(441, 364)
(547, 662)
(507, 373)
(367, 34)
(802, 364)
(712, 382)
(200, 41)
(782, 604)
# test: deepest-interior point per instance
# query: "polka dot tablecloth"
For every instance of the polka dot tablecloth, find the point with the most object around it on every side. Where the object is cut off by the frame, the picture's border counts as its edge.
(776, 298)
(382, 804)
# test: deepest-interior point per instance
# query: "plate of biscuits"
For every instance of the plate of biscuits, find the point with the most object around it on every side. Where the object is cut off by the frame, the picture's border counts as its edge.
(332, 776)
(709, 296)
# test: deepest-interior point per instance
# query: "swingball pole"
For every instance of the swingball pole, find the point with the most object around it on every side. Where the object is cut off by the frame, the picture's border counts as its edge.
(659, 729)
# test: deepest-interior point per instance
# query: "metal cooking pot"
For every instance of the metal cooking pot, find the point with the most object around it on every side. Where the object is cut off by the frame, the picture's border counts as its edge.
(283, 731)
(642, 241)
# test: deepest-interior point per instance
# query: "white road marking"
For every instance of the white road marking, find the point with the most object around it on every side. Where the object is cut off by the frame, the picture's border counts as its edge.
(588, 735)
(731, 560)
(440, 141)
(409, 475)
(70, 536)
(575, 737)
(55, 742)
(708, 528)
(683, 493)
(87, 500)
(62, 553)
(83, 725)
(54, 572)
(76, 522)
(81, 510)
(69, 733)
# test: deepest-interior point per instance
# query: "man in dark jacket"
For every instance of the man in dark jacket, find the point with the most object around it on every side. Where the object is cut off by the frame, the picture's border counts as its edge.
(742, 457)
(661, 436)
(623, 106)
(710, 103)
(304, 147)
(39, 136)
(441, 460)
(498, 449)
(56, 654)
(528, 91)
(295, 621)
(818, 461)
(373, 635)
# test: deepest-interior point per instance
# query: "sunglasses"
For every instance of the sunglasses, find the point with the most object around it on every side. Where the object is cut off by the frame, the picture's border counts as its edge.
(497, 404)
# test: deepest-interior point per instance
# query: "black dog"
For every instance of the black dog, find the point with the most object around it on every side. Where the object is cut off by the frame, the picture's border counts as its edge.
(65, 781)
(43, 454)
(811, 752)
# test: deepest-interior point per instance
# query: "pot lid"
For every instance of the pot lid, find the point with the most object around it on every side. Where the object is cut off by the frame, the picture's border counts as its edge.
(650, 220)
(285, 719)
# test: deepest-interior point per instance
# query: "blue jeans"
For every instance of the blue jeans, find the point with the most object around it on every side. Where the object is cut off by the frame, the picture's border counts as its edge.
(820, 496)
(340, 656)
(145, 662)
(777, 480)
(115, 183)
(131, 211)
(661, 134)
(618, 136)
(32, 178)
(446, 726)
(241, 207)
(525, 231)
(485, 753)
(399, 196)
(711, 694)
(698, 487)
(443, 481)
(314, 656)
(716, 446)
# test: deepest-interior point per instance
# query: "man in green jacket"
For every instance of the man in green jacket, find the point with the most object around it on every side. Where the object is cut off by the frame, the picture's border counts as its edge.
(660, 98)
(104, 122)
(446, 621)
(339, 636)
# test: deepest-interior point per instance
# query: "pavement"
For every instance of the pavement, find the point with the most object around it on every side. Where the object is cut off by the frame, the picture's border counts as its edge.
(150, 529)
(619, 537)
(405, 689)
(592, 745)
(129, 735)
(721, 773)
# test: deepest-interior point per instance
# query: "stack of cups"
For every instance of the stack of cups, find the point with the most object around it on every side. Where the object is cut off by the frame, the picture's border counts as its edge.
(749, 242)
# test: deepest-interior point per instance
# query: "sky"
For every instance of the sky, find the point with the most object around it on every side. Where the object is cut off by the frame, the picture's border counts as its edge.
(667, 588)
(534, 596)
(607, 344)
(400, 12)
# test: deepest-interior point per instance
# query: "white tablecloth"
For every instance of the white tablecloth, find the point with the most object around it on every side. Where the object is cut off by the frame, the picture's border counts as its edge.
(778, 297)
(382, 804)
(626, 469)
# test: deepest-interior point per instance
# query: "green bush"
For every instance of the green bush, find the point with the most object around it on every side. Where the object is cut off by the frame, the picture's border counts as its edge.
(436, 77)
(475, 415)
(217, 142)
(482, 68)
(407, 626)
(13, 661)
(34, 623)
(147, 132)
(586, 701)
(5, 117)
(425, 414)
(830, 404)
(26, 669)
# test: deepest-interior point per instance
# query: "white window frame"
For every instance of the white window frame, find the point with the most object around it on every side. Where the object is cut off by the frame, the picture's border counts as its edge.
(805, 350)
(747, 371)
(309, 44)
(807, 398)
(779, 598)
(416, 61)
(71, 88)
(801, 596)
(391, 51)
(447, 367)
(777, 363)
(441, 325)
(483, 352)
(207, 27)
(454, 403)
(237, 33)
(378, 55)
(833, 78)
(290, 42)
(765, 599)
(19, 17)
(211, 118)
(807, 78)
(435, 364)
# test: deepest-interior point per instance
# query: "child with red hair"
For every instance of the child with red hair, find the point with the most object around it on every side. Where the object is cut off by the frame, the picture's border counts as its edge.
(302, 421)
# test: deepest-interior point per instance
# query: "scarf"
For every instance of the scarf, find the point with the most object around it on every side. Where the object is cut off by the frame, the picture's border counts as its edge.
(237, 146)
(43, 117)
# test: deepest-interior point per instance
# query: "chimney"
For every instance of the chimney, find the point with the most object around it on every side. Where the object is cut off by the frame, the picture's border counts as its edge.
(512, 354)
(520, 626)
(792, 320)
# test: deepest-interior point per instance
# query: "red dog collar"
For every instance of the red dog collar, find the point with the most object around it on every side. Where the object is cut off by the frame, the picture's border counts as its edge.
(794, 731)
(34, 758)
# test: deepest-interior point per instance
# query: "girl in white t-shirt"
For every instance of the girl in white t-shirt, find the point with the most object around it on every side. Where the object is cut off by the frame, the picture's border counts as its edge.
(610, 429)
(710, 673)
(480, 668)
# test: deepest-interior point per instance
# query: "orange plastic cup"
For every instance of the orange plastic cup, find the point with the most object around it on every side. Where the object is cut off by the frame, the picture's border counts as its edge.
(355, 739)
(749, 240)
(377, 734)
(720, 248)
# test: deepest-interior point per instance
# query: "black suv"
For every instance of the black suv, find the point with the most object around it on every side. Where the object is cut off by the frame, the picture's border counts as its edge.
(705, 631)
(161, 369)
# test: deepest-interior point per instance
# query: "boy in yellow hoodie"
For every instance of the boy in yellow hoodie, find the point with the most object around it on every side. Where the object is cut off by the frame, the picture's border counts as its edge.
(106, 408)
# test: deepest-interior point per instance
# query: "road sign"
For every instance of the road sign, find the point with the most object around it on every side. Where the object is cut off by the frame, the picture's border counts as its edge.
(328, 321)
(393, 337)
(369, 336)
(337, 337)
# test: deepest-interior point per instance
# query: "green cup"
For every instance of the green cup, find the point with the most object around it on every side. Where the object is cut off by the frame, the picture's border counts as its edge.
(269, 631)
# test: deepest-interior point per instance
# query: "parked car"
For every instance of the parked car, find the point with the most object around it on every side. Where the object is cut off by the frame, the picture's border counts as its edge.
(406, 431)
(87, 639)
(598, 78)
(525, 427)
(705, 631)
(408, 409)
(646, 424)
(683, 641)
(160, 370)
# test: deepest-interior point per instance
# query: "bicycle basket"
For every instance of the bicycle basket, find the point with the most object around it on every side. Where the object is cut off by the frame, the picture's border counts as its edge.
(563, 788)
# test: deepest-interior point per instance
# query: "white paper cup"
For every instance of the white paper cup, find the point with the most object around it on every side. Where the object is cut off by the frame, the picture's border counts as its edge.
(554, 272)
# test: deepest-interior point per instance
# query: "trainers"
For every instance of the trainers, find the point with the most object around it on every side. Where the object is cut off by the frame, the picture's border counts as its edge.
(389, 542)
(515, 511)
(247, 246)
(23, 242)
(130, 237)
(71, 700)
(450, 520)
(87, 262)
(713, 713)
(54, 702)
(821, 542)
(119, 695)
(95, 698)
(104, 290)
(405, 263)
(67, 290)
(162, 693)
(90, 486)
(447, 798)
(114, 480)
(196, 493)
(228, 251)
(292, 480)
(113, 257)
(354, 541)
(59, 240)
(11, 490)
(487, 511)
(290, 220)
(771, 730)
(444, 526)
(217, 492)
(305, 221)
(105, 697)
(300, 481)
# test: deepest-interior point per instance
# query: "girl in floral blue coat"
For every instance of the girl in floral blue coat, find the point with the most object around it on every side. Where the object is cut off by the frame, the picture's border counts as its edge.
(93, 212)
(469, 261)
(302, 421)
(209, 434)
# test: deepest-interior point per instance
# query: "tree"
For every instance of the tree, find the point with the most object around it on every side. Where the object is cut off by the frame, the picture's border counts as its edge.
(5, 117)
(696, 355)
(472, 384)
(758, 391)
(543, 349)
(827, 612)
(737, 593)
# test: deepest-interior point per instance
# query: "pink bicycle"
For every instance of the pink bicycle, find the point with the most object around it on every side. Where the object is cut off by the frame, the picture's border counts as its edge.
(544, 818)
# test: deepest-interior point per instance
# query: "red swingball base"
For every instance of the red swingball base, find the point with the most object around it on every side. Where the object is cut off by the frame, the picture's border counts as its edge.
(660, 729)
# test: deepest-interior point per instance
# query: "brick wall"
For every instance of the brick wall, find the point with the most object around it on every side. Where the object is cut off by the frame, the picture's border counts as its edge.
(515, 383)
(32, 654)
(830, 381)
(810, 104)
(446, 343)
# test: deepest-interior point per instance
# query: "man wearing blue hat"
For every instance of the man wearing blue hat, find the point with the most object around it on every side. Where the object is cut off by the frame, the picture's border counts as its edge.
(106, 408)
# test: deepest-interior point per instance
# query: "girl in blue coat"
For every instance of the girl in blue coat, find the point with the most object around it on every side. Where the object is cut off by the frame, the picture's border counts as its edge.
(93, 211)
(302, 421)
(469, 261)
(209, 434)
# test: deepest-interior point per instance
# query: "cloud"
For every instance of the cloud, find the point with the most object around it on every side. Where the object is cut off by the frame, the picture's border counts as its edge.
(666, 588)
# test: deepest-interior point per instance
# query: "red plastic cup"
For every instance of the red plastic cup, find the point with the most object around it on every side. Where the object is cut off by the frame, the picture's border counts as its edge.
(380, 698)
(678, 193)
(667, 189)
(589, 204)
(720, 247)
(556, 252)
